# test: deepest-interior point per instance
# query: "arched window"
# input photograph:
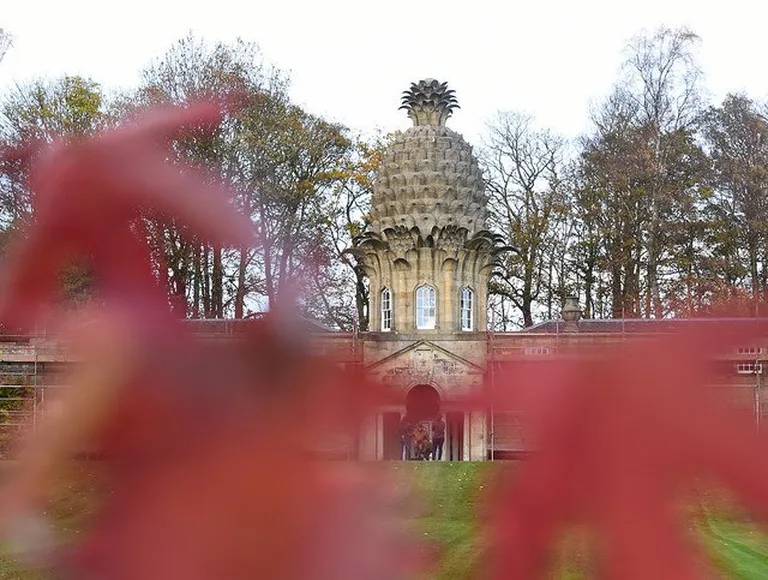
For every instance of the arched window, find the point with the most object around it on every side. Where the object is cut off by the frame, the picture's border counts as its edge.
(426, 301)
(466, 308)
(386, 310)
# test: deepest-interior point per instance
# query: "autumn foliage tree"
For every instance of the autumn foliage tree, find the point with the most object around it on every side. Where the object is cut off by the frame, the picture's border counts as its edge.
(283, 161)
(657, 210)
(188, 70)
(736, 134)
(660, 203)
(645, 165)
(69, 107)
(347, 218)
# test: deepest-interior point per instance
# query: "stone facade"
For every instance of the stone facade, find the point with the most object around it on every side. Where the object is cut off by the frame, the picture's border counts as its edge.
(428, 256)
(451, 364)
(428, 224)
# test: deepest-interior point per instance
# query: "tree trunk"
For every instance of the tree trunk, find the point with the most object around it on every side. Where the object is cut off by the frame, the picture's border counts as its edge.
(196, 282)
(527, 294)
(207, 302)
(753, 272)
(550, 291)
(527, 315)
(632, 290)
(217, 290)
(617, 293)
(589, 281)
(269, 280)
(362, 300)
(179, 293)
(241, 279)
(653, 302)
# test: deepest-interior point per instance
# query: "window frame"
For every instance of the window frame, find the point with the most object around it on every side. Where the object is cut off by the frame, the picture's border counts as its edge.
(470, 310)
(419, 308)
(537, 351)
(749, 350)
(749, 368)
(385, 313)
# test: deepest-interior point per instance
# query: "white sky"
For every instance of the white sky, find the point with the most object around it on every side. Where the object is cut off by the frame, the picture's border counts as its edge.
(349, 60)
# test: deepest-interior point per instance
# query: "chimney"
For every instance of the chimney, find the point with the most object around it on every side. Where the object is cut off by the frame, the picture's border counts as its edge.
(571, 314)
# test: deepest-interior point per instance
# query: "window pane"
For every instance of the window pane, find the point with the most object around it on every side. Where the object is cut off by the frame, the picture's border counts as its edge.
(386, 309)
(749, 369)
(425, 307)
(750, 350)
(466, 309)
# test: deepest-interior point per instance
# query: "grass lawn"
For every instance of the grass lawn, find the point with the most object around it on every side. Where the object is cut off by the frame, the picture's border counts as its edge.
(450, 519)
(737, 547)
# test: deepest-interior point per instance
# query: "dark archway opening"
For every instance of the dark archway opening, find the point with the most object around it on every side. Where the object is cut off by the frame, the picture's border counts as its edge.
(422, 403)
(422, 406)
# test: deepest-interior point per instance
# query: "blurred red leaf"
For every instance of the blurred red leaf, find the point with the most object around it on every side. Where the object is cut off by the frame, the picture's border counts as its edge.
(211, 449)
(617, 436)
(88, 200)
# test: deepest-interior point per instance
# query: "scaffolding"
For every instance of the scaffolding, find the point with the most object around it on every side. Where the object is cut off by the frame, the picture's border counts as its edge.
(23, 386)
(29, 367)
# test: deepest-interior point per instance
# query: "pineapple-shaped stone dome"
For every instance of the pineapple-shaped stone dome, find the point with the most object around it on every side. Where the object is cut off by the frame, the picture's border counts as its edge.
(426, 251)
(429, 178)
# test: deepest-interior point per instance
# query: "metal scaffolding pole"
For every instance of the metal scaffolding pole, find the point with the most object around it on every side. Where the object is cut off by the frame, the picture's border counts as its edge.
(758, 372)
(492, 360)
(34, 392)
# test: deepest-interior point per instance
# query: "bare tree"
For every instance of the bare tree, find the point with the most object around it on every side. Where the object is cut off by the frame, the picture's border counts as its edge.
(522, 164)
(6, 40)
(640, 181)
(663, 81)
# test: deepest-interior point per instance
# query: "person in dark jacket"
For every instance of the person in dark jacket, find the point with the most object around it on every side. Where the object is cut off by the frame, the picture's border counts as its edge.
(438, 438)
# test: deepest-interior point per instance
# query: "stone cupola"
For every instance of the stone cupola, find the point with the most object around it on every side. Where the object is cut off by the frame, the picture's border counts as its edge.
(426, 251)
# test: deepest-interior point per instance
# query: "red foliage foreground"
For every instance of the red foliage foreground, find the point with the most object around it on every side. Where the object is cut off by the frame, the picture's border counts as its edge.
(88, 201)
(618, 439)
(212, 449)
(209, 475)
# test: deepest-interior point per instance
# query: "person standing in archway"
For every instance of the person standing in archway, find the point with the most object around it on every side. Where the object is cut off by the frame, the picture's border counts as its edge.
(438, 438)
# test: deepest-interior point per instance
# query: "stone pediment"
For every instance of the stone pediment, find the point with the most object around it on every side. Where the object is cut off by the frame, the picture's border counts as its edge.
(424, 362)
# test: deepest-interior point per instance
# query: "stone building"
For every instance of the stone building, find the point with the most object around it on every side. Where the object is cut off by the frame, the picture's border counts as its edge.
(428, 255)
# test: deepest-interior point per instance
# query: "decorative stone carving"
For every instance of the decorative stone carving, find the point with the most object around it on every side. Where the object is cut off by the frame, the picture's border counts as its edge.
(428, 216)
(429, 179)
(429, 102)
(423, 362)
(571, 314)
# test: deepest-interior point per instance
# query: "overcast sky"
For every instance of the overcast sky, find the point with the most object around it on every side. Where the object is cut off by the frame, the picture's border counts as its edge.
(349, 60)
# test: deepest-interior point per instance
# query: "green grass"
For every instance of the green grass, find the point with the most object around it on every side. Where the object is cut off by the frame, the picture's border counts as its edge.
(740, 550)
(737, 547)
(69, 510)
(453, 494)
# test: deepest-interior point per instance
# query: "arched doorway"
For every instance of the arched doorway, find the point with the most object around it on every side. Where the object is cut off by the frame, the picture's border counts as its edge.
(422, 403)
(422, 408)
